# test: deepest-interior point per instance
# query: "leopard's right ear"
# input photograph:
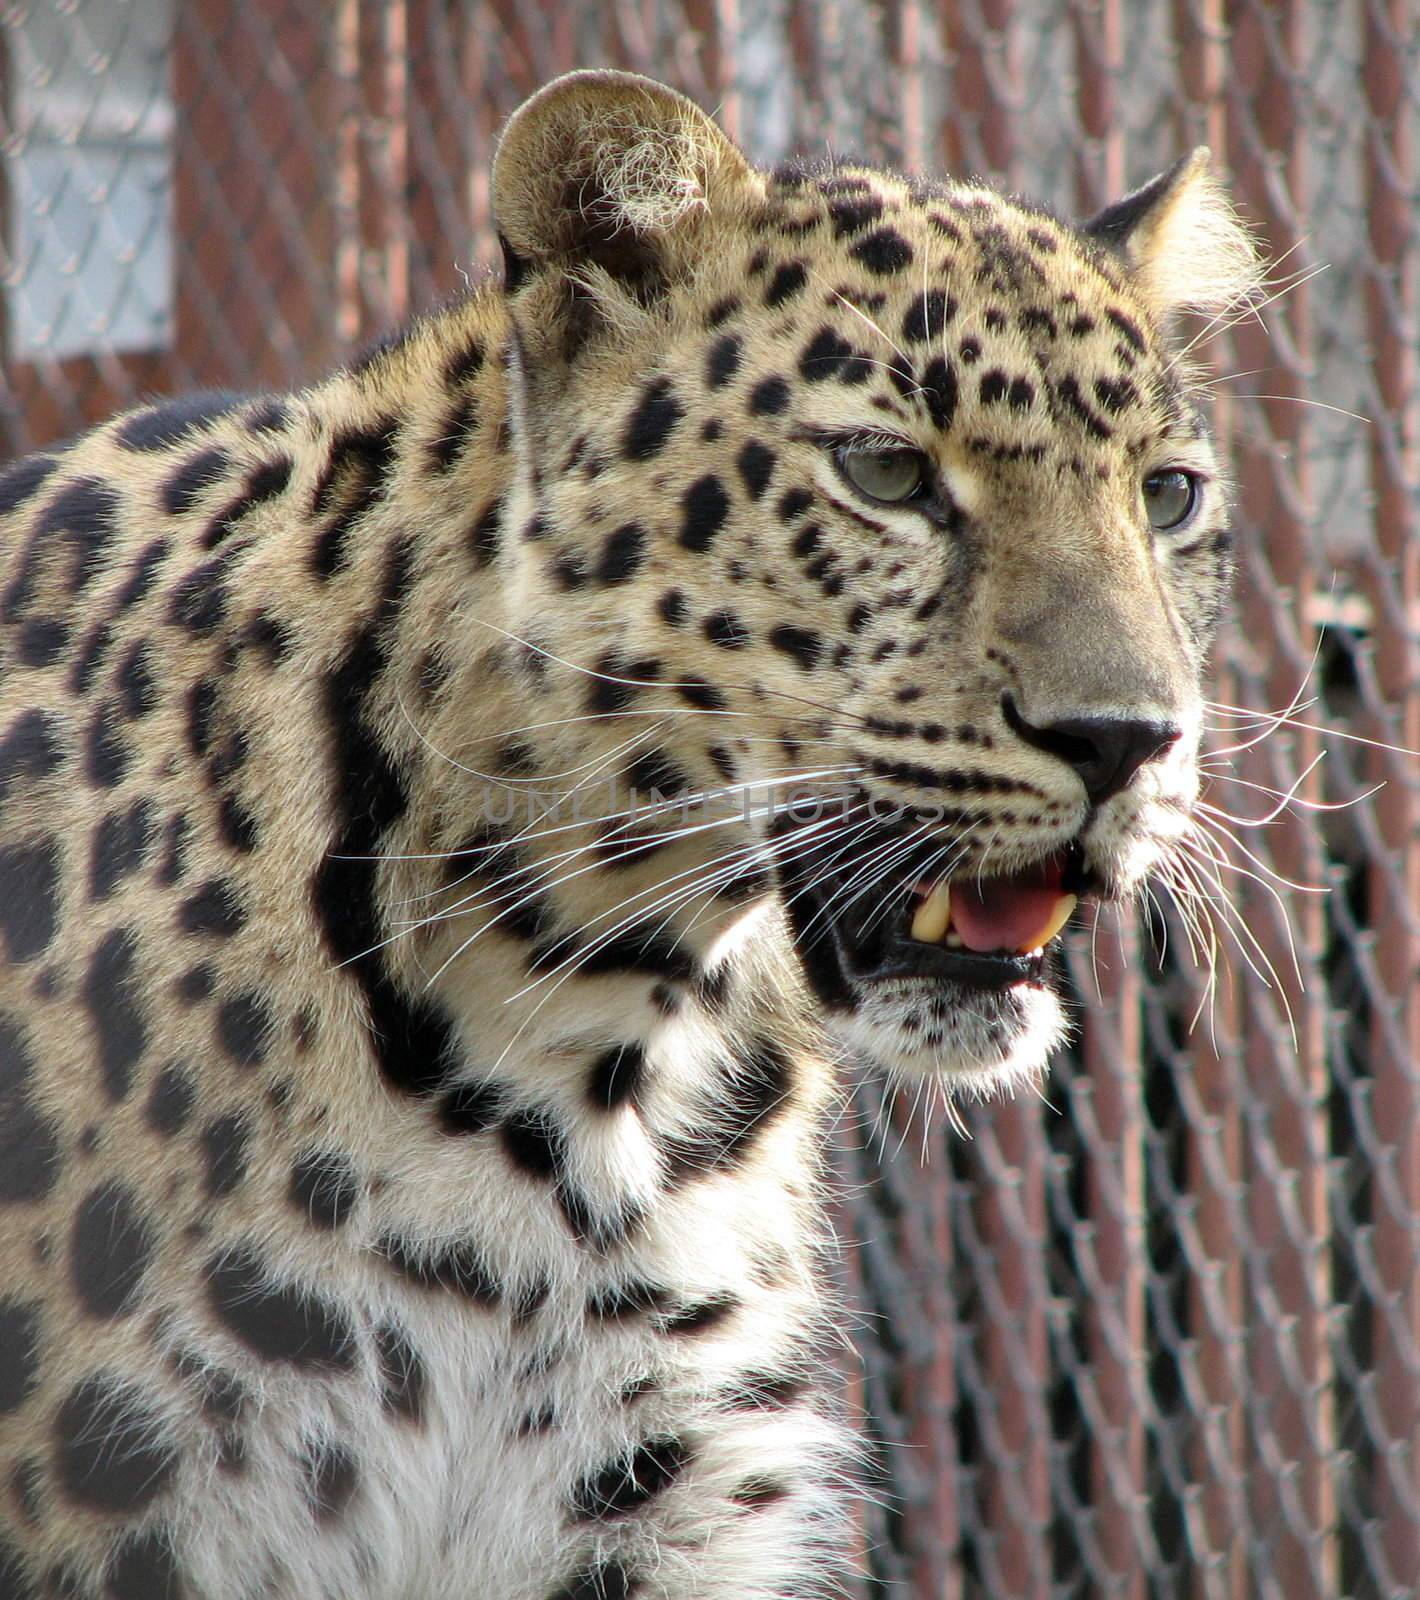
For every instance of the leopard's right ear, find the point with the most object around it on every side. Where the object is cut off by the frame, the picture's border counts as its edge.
(608, 172)
(1184, 246)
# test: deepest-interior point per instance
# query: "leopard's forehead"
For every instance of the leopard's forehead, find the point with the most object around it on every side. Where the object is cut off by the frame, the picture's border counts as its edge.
(941, 309)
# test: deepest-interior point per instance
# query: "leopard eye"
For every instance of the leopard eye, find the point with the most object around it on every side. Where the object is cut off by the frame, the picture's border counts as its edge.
(891, 474)
(1170, 498)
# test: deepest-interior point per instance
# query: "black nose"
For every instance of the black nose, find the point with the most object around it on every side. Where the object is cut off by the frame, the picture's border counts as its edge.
(1105, 751)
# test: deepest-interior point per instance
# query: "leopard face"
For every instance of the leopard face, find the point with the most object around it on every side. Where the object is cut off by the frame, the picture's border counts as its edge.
(901, 490)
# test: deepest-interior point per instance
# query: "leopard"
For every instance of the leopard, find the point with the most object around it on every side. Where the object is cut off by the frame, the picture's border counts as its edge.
(463, 824)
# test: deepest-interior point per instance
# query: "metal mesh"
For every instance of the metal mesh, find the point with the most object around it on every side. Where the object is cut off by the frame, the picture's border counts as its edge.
(1157, 1334)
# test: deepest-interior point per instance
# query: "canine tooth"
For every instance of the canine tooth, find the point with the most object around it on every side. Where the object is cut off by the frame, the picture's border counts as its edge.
(1059, 916)
(933, 917)
(954, 940)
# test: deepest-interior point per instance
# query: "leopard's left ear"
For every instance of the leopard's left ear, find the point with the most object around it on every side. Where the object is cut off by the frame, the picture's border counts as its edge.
(1185, 247)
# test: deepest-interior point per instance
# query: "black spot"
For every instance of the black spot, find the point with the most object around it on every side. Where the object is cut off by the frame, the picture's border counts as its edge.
(264, 482)
(672, 608)
(19, 1353)
(21, 481)
(105, 753)
(236, 825)
(938, 386)
(993, 387)
(614, 683)
(704, 507)
(623, 551)
(853, 215)
(181, 490)
(111, 1245)
(640, 948)
(41, 641)
(787, 281)
(411, 1038)
(470, 1108)
(243, 1028)
(1068, 390)
(927, 317)
(721, 311)
(800, 644)
(29, 883)
(461, 419)
(1115, 396)
(1131, 330)
(214, 909)
(331, 1478)
(354, 479)
(483, 535)
(758, 1493)
(764, 1390)
(653, 775)
(700, 1317)
(793, 503)
(725, 629)
(112, 1453)
(224, 1150)
(696, 691)
(456, 1269)
(199, 599)
(83, 518)
(268, 635)
(883, 252)
(201, 711)
(280, 1323)
(134, 681)
(621, 1301)
(607, 1580)
(828, 355)
(533, 1143)
(403, 1380)
(625, 1485)
(29, 749)
(110, 996)
(29, 1154)
(224, 1396)
(753, 1087)
(173, 862)
(195, 983)
(616, 1076)
(170, 1101)
(145, 1568)
(656, 414)
(769, 397)
(159, 426)
(756, 465)
(323, 1188)
(723, 361)
(267, 416)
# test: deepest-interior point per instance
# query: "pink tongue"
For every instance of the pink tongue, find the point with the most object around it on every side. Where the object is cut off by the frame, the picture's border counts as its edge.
(1001, 913)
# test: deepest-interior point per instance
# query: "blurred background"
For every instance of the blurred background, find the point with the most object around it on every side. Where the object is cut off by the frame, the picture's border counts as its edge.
(1157, 1332)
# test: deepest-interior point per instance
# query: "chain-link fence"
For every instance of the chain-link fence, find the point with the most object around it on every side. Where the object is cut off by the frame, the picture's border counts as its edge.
(1159, 1333)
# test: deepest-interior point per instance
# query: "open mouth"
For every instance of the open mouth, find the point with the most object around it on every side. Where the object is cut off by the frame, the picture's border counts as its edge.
(853, 929)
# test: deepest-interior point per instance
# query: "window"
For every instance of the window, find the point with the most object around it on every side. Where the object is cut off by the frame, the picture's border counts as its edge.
(90, 179)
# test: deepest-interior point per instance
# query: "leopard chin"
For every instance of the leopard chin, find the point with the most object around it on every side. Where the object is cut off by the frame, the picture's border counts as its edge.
(976, 1042)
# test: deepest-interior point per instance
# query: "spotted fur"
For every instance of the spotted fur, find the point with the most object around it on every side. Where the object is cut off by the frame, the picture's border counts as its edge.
(411, 1189)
